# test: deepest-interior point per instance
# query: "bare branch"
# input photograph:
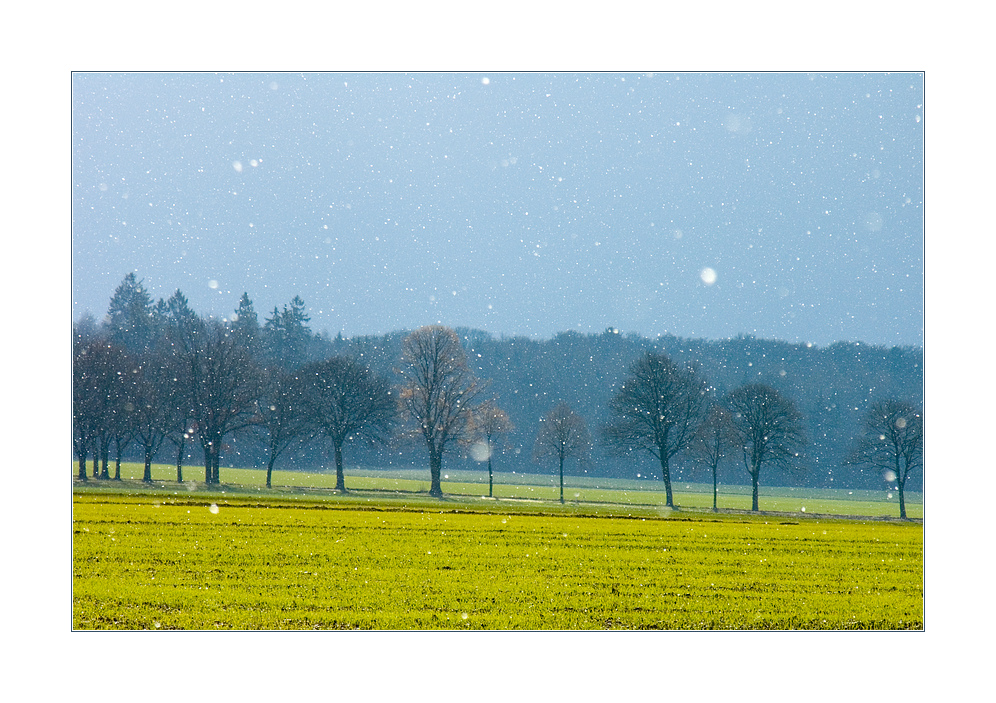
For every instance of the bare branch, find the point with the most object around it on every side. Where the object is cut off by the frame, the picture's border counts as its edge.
(439, 393)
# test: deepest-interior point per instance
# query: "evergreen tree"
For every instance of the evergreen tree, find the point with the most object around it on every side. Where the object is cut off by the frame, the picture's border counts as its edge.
(160, 322)
(296, 331)
(287, 336)
(130, 316)
(179, 314)
(273, 338)
(245, 324)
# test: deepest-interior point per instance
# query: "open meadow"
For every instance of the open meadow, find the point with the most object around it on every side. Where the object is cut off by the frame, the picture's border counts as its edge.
(174, 556)
(645, 497)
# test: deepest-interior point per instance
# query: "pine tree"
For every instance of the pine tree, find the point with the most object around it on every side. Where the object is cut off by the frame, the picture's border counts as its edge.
(245, 324)
(130, 316)
(287, 336)
(296, 332)
(273, 346)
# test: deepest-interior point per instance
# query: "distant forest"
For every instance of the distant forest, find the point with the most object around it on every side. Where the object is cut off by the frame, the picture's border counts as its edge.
(832, 387)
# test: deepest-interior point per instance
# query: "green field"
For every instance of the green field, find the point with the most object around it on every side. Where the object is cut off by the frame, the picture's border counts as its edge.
(646, 497)
(239, 557)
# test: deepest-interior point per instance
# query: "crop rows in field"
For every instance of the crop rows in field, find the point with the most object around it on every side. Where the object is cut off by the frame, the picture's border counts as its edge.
(180, 562)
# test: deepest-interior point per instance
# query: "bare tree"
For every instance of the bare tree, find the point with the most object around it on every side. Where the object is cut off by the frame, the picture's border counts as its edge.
(223, 384)
(345, 401)
(712, 441)
(492, 423)
(110, 397)
(282, 414)
(657, 409)
(151, 408)
(439, 393)
(179, 416)
(181, 427)
(100, 375)
(121, 417)
(85, 386)
(179, 335)
(768, 428)
(563, 434)
(892, 443)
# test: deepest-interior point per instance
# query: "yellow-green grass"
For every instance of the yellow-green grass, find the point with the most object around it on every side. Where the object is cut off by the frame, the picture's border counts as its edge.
(646, 496)
(242, 562)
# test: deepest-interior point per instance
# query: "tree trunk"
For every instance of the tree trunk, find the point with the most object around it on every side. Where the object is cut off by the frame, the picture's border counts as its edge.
(901, 482)
(117, 459)
(82, 462)
(147, 476)
(435, 469)
(269, 468)
(179, 461)
(96, 459)
(105, 458)
(216, 463)
(208, 463)
(754, 475)
(340, 479)
(666, 474)
(715, 489)
(491, 482)
(561, 478)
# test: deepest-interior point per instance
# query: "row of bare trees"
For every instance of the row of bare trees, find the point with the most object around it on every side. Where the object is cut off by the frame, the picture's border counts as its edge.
(198, 383)
(201, 382)
(664, 409)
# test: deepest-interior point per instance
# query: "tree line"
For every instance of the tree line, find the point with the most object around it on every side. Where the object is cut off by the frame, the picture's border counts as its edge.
(155, 375)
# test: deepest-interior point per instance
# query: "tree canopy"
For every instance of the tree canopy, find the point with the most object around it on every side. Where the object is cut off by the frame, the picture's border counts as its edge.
(439, 393)
(892, 443)
(768, 429)
(563, 435)
(656, 409)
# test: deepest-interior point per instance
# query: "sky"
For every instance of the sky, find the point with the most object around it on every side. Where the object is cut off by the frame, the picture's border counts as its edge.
(781, 205)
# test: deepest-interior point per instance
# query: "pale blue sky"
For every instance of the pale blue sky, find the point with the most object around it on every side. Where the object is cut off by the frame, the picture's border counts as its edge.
(784, 205)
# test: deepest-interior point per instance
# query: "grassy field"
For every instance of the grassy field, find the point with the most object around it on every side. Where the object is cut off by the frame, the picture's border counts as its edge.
(389, 557)
(144, 562)
(646, 497)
